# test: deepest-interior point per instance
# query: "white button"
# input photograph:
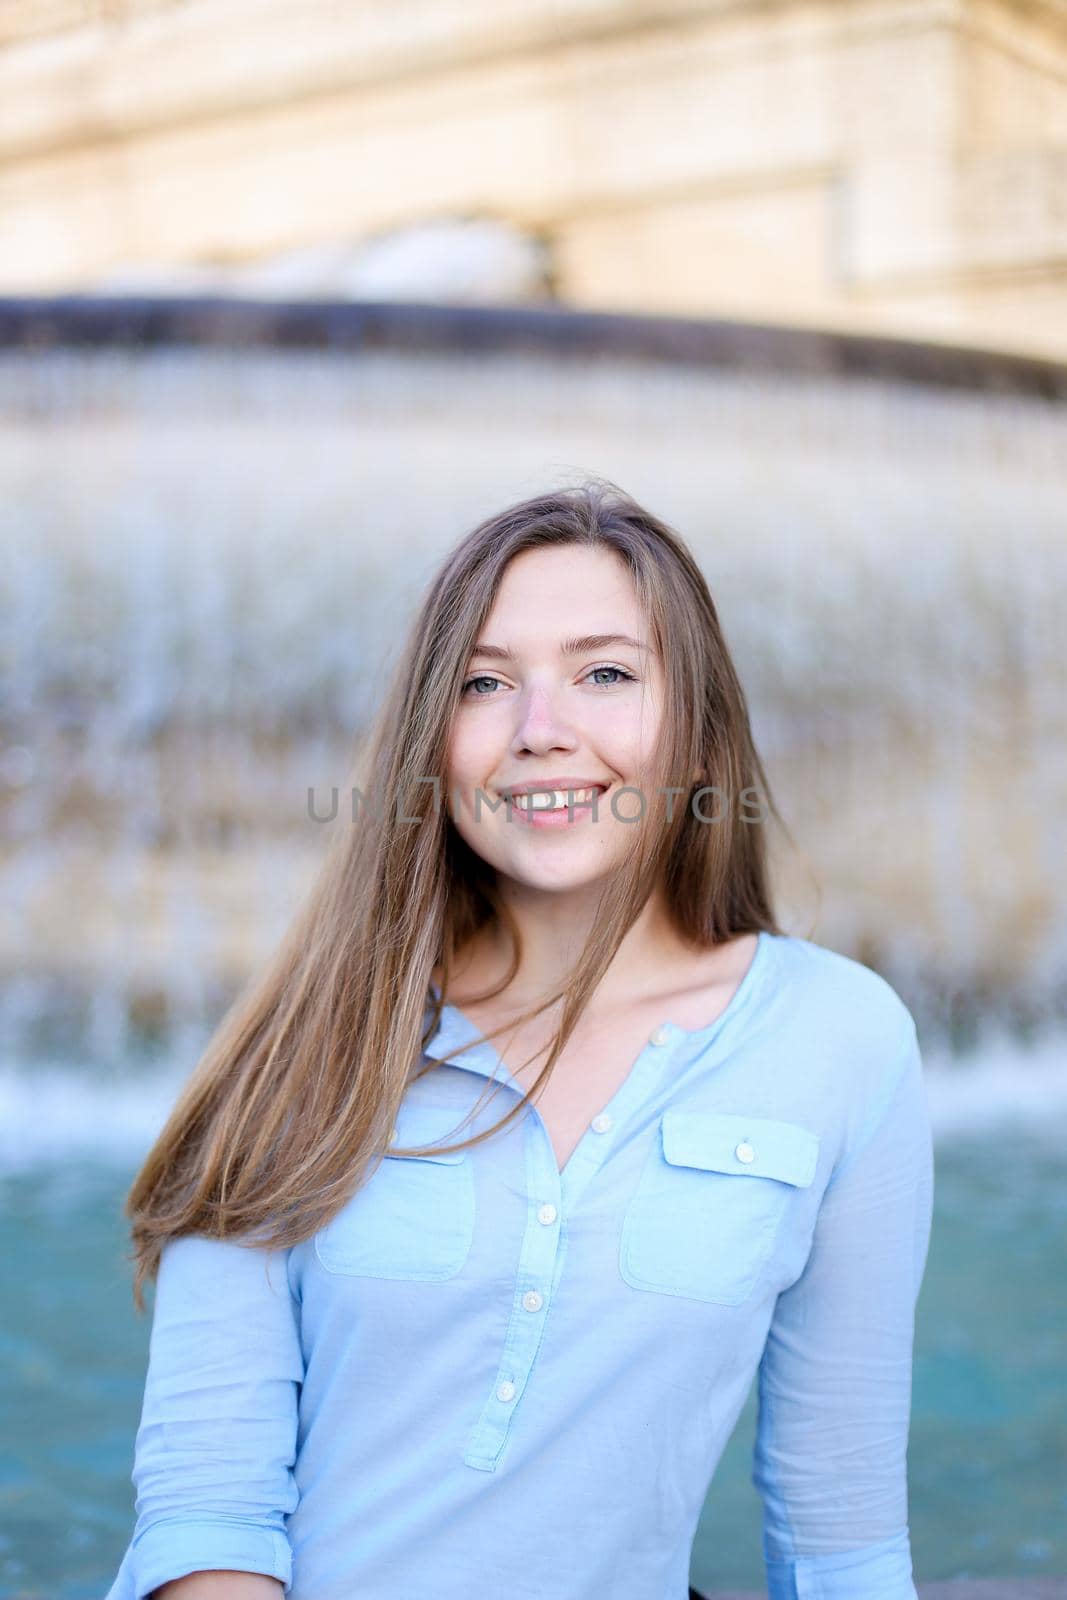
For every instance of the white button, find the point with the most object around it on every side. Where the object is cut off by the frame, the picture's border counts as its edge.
(546, 1213)
(394, 1136)
(745, 1152)
(660, 1035)
(505, 1391)
(601, 1123)
(532, 1300)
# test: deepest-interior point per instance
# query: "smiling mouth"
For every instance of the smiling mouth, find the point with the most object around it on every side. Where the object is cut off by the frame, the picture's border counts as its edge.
(555, 800)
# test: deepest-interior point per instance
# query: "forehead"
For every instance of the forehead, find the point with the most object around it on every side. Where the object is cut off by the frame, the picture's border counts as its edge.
(575, 588)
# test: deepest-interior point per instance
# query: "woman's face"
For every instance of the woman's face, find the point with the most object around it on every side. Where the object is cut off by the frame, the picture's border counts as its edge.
(551, 715)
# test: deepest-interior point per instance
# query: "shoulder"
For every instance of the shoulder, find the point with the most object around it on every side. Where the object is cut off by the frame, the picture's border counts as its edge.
(850, 1043)
(850, 998)
(841, 1014)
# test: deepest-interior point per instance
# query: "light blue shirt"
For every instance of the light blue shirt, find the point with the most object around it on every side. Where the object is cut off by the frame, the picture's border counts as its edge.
(487, 1376)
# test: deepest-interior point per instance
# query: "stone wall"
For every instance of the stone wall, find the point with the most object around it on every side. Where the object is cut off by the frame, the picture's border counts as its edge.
(878, 165)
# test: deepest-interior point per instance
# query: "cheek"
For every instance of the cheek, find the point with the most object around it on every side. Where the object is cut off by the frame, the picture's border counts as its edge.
(625, 734)
(473, 751)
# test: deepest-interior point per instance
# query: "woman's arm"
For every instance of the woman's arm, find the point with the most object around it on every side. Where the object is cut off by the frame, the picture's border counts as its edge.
(220, 1586)
(217, 1441)
(835, 1376)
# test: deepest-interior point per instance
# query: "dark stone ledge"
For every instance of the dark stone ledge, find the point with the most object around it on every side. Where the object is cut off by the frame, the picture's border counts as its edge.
(153, 322)
(951, 1589)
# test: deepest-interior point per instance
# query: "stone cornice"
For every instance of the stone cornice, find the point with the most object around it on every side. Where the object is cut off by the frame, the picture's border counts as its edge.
(142, 324)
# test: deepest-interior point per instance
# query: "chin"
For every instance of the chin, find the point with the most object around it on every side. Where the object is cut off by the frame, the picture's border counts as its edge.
(557, 877)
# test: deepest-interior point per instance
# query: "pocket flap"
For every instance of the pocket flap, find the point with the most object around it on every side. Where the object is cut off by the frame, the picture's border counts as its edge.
(769, 1149)
(418, 1124)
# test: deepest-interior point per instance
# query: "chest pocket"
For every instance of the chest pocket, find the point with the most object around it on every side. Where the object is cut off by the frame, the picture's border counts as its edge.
(703, 1218)
(414, 1218)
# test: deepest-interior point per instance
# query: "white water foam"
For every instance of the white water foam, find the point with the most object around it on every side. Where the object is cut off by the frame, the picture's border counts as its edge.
(1001, 1084)
(51, 1114)
(55, 1113)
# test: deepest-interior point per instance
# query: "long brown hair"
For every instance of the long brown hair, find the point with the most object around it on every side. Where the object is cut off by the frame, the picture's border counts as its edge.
(289, 1109)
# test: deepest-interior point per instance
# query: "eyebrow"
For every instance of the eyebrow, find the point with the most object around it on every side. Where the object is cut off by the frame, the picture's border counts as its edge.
(581, 646)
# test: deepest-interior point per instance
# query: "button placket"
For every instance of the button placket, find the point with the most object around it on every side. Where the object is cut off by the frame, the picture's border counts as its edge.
(601, 1137)
(542, 1257)
(539, 1265)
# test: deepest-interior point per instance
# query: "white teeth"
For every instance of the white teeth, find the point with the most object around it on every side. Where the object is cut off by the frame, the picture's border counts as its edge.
(553, 800)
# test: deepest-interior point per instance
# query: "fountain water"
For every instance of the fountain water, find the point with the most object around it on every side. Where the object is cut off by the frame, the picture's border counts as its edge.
(217, 516)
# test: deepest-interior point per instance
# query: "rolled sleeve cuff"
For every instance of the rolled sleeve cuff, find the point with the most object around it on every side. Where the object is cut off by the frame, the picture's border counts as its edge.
(875, 1572)
(178, 1545)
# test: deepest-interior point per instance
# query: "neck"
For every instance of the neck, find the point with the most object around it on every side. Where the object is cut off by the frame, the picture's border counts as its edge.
(553, 928)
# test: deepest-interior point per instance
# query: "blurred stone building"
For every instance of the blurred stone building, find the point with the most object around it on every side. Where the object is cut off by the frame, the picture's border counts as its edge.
(885, 166)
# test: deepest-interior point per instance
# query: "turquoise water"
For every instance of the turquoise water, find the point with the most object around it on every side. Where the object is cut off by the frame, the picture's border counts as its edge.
(989, 1435)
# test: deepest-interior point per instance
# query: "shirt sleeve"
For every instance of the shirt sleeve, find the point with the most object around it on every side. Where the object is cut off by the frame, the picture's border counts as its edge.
(216, 1445)
(835, 1375)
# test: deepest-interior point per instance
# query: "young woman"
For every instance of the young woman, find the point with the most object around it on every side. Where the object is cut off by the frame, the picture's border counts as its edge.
(539, 1141)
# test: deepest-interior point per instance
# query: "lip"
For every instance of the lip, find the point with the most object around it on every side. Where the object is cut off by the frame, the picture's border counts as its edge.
(569, 817)
(553, 784)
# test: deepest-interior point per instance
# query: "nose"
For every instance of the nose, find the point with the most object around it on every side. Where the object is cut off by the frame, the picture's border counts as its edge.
(540, 724)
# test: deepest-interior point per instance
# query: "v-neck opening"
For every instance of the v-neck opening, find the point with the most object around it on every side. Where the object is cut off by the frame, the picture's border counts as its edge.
(633, 1083)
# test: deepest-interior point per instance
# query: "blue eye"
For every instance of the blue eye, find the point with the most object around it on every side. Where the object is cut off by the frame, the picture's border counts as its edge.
(627, 677)
(487, 677)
